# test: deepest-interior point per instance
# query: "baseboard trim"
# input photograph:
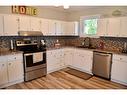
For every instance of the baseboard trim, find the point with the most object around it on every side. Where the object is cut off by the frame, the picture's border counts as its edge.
(11, 83)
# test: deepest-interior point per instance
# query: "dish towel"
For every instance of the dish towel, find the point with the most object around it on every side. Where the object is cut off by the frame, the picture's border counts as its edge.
(37, 57)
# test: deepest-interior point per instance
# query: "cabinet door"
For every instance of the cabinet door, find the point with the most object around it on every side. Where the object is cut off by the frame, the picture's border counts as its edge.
(58, 27)
(86, 63)
(51, 61)
(64, 28)
(68, 58)
(35, 24)
(24, 23)
(72, 28)
(15, 70)
(1, 26)
(77, 59)
(3, 72)
(11, 25)
(119, 72)
(60, 58)
(113, 27)
(123, 32)
(45, 26)
(102, 27)
(52, 27)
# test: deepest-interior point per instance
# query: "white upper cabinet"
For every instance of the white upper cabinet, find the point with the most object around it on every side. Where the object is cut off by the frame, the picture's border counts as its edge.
(55, 27)
(14, 23)
(35, 24)
(123, 32)
(102, 27)
(10, 25)
(45, 26)
(72, 28)
(113, 27)
(58, 26)
(29, 23)
(1, 25)
(64, 27)
(24, 23)
(109, 27)
(52, 27)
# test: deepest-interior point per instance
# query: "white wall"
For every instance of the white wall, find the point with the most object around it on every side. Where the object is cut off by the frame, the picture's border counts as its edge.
(106, 12)
(42, 12)
(51, 13)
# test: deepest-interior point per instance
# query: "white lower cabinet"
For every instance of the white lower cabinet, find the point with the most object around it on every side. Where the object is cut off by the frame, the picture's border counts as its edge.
(83, 60)
(69, 57)
(11, 70)
(15, 70)
(3, 71)
(119, 69)
(55, 60)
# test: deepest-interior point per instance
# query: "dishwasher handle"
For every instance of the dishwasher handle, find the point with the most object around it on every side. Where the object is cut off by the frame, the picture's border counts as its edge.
(102, 54)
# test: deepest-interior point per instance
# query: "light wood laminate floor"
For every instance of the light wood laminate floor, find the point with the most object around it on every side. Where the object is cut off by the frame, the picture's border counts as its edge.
(62, 80)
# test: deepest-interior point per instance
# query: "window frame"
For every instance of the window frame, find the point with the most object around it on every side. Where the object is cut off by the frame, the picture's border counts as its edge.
(82, 18)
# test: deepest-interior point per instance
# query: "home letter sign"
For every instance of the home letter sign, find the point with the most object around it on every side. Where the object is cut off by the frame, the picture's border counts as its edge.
(24, 10)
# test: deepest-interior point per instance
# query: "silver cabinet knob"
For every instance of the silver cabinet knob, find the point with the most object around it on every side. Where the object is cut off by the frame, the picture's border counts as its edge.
(2, 64)
(9, 64)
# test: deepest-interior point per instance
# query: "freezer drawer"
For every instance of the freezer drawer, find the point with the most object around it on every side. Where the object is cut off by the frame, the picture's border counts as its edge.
(102, 64)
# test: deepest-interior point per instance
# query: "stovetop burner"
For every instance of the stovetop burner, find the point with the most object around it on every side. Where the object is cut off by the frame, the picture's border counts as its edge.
(30, 46)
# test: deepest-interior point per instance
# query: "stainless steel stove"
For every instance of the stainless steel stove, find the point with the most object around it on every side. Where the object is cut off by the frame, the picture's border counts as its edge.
(34, 57)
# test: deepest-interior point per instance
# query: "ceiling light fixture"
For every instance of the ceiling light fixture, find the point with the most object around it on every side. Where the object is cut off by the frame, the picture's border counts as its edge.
(66, 7)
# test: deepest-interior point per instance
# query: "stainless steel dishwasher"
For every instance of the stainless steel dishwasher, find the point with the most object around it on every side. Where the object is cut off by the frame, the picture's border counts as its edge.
(102, 64)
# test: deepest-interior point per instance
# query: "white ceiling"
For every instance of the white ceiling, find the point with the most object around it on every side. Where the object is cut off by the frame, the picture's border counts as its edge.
(80, 8)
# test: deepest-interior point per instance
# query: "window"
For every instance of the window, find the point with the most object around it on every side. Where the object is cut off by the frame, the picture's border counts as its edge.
(89, 25)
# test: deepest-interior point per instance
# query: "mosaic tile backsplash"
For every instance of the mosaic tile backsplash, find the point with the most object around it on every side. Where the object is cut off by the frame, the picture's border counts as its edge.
(113, 44)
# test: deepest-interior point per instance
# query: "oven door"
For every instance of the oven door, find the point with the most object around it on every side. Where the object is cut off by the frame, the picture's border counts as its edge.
(29, 62)
(32, 60)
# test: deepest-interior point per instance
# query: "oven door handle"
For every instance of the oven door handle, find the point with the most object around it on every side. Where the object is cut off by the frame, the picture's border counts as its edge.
(28, 54)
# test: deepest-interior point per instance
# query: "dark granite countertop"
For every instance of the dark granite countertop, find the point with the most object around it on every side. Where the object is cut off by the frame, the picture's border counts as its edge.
(2, 53)
(90, 49)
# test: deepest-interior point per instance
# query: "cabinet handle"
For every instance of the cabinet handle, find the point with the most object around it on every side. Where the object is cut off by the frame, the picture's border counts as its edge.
(2, 64)
(120, 58)
(9, 63)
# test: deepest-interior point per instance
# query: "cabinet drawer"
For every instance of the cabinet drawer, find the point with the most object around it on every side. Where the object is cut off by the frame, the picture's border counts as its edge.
(120, 57)
(15, 57)
(85, 52)
(3, 59)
